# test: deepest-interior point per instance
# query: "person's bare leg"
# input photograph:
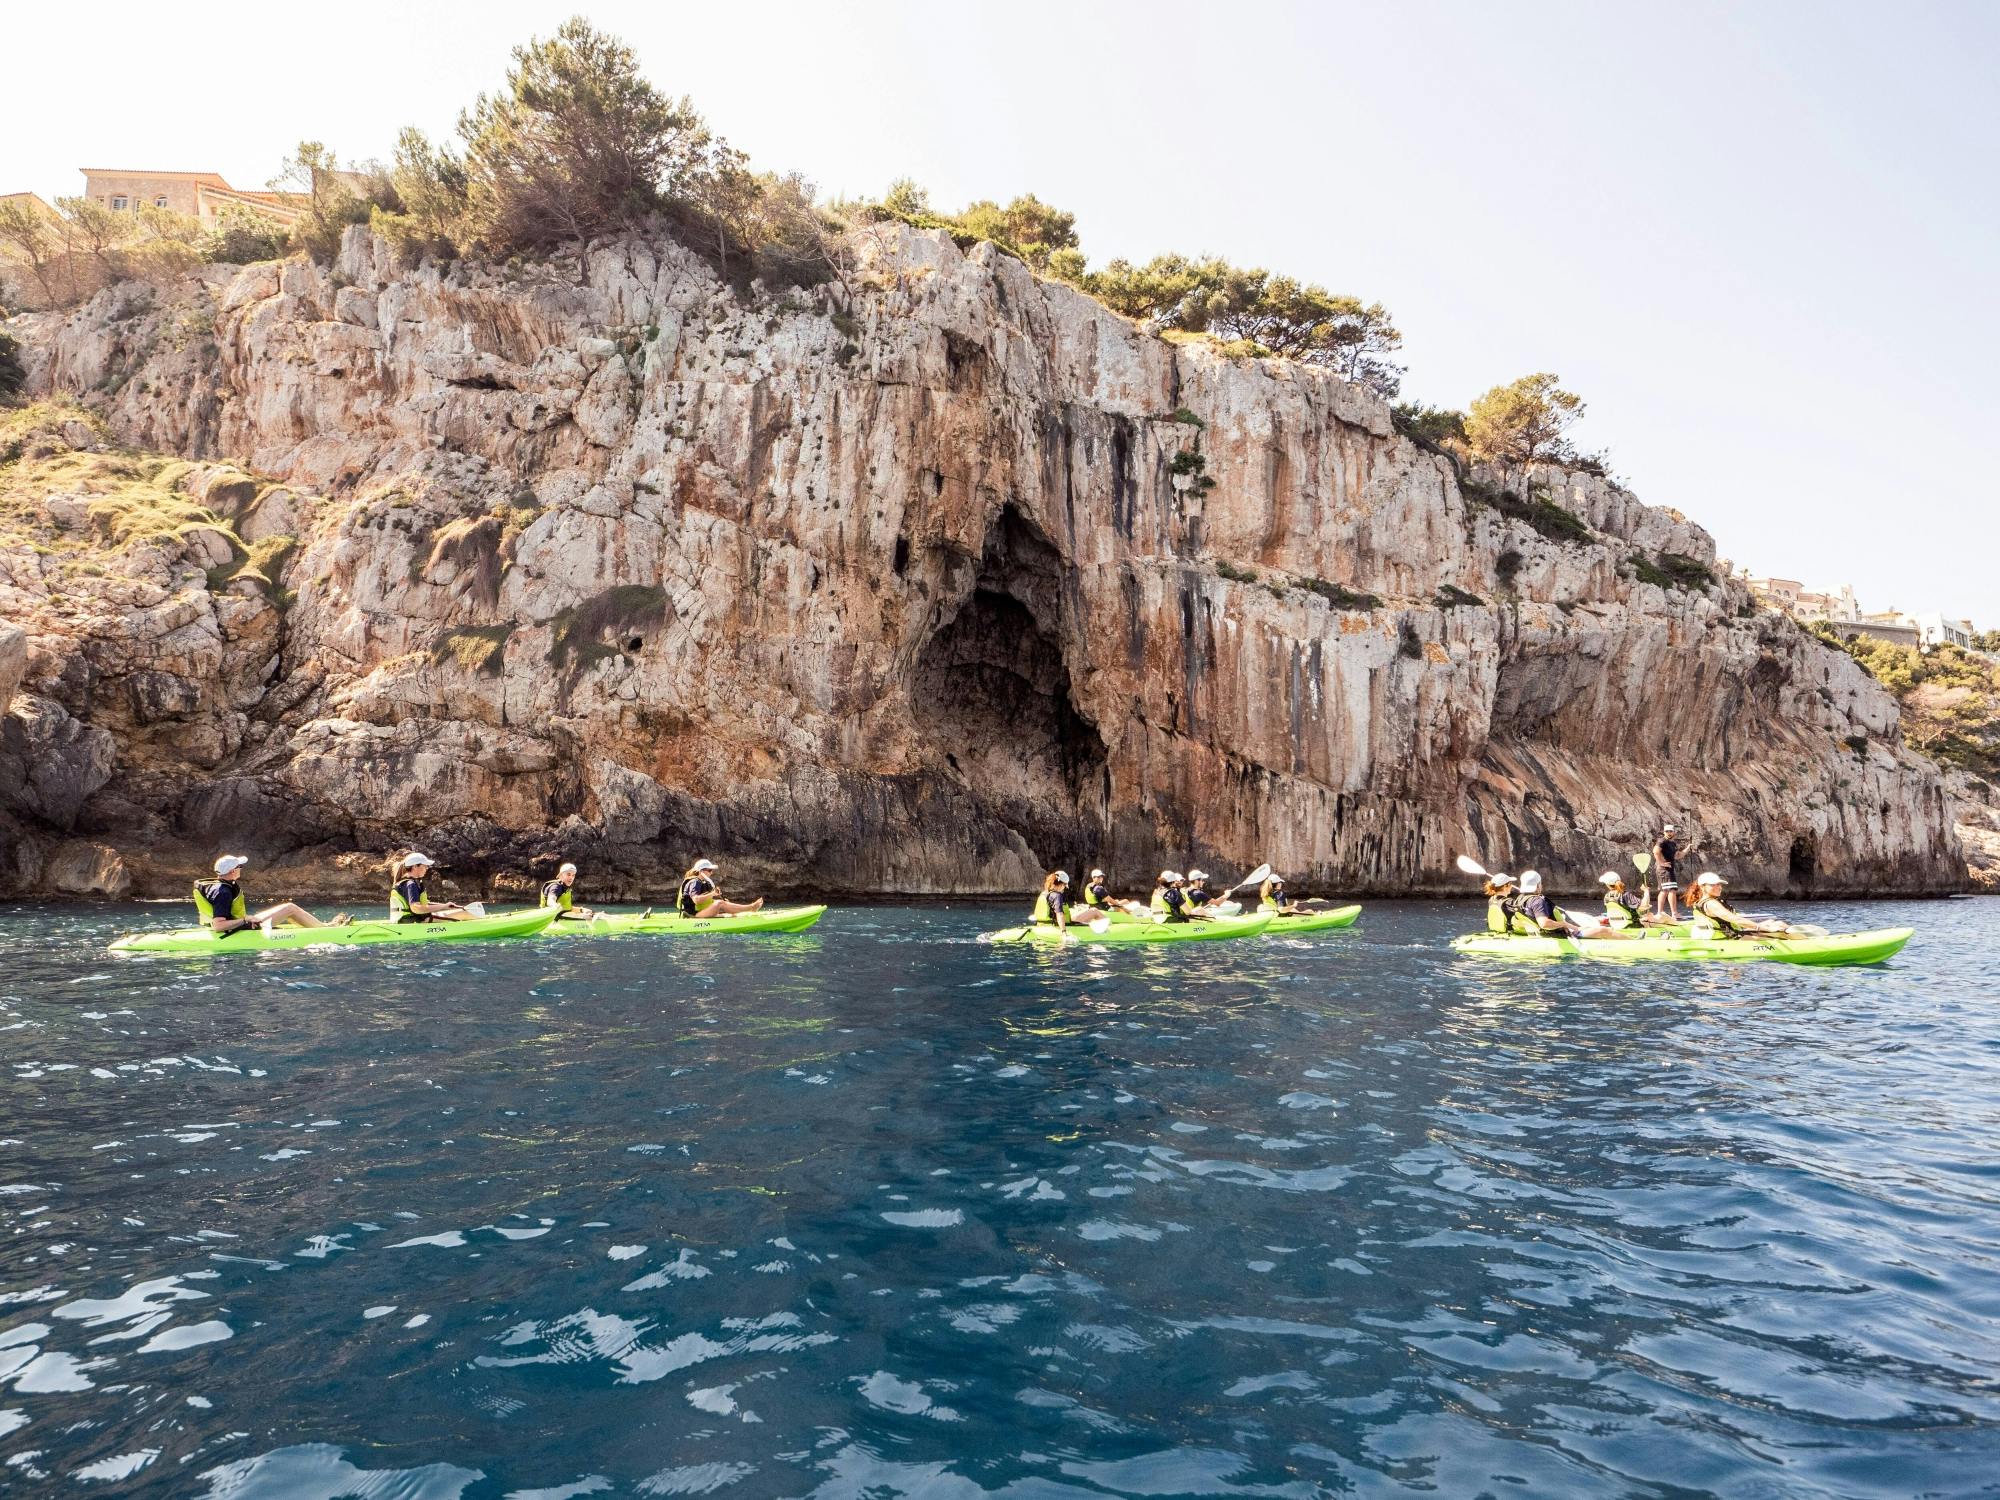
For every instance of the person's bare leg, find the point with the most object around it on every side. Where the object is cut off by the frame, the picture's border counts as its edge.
(721, 908)
(286, 911)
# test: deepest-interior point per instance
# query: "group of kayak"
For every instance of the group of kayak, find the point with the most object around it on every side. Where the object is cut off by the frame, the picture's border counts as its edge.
(1522, 920)
(1181, 909)
(228, 925)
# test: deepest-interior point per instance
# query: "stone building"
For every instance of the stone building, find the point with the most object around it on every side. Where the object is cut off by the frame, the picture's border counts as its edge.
(199, 195)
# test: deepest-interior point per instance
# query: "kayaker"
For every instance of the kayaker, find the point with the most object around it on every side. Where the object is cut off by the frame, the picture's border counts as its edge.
(1169, 900)
(1543, 915)
(223, 911)
(1097, 895)
(1667, 848)
(410, 897)
(561, 894)
(1271, 898)
(1052, 905)
(701, 896)
(1197, 891)
(1501, 901)
(1707, 902)
(1623, 911)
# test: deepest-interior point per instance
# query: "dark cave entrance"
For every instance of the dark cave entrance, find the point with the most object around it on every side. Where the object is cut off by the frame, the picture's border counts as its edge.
(992, 697)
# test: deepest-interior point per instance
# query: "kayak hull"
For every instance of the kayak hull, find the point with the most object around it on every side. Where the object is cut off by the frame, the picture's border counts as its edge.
(1314, 921)
(200, 942)
(1840, 948)
(673, 924)
(1135, 934)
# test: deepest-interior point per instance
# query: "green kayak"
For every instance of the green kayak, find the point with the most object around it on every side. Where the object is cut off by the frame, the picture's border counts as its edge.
(673, 924)
(1133, 933)
(1315, 921)
(355, 935)
(1840, 948)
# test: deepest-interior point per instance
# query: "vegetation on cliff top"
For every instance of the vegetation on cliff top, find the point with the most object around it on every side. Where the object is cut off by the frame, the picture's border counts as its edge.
(577, 144)
(1950, 697)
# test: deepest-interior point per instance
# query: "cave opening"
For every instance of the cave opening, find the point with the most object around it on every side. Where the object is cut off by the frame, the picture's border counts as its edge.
(993, 697)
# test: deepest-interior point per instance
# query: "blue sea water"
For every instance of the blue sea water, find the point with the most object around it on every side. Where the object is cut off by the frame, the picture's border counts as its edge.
(878, 1210)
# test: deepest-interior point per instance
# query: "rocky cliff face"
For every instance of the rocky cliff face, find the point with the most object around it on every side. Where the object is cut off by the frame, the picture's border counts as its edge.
(922, 582)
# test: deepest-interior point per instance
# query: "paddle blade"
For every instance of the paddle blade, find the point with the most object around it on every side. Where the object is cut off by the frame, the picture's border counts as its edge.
(1642, 862)
(477, 908)
(1255, 877)
(1101, 925)
(1470, 866)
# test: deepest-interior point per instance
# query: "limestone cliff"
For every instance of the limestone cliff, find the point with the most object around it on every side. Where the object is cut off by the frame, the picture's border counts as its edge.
(920, 582)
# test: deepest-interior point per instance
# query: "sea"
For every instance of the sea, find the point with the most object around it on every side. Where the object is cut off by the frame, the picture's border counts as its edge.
(880, 1210)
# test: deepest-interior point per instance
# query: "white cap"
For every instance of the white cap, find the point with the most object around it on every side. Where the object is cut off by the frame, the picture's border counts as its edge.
(1669, 828)
(1498, 879)
(1197, 874)
(1096, 874)
(413, 859)
(566, 869)
(1276, 879)
(1168, 877)
(1709, 877)
(1611, 877)
(704, 864)
(1062, 877)
(229, 864)
(1531, 880)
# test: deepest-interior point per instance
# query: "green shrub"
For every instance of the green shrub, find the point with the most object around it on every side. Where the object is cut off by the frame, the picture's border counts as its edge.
(1450, 596)
(1538, 510)
(1339, 595)
(12, 376)
(1428, 427)
(1234, 573)
(1672, 570)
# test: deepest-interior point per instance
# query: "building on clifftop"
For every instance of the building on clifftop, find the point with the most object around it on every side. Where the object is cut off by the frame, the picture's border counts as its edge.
(199, 195)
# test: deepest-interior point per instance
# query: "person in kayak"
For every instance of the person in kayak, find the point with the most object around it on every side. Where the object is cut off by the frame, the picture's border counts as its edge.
(1623, 911)
(1170, 902)
(1667, 848)
(1052, 905)
(701, 896)
(561, 894)
(1096, 894)
(1199, 897)
(1706, 902)
(1501, 902)
(410, 897)
(1271, 898)
(223, 910)
(1542, 915)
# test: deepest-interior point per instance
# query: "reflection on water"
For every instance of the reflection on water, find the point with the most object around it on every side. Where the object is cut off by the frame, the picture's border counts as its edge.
(877, 1210)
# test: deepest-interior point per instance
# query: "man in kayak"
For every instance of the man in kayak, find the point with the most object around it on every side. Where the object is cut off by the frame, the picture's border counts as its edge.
(700, 896)
(1543, 916)
(1052, 905)
(1169, 900)
(561, 894)
(223, 911)
(410, 897)
(1667, 848)
(1707, 903)
(1199, 897)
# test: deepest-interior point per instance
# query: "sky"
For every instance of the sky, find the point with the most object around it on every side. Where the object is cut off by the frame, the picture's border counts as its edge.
(1760, 240)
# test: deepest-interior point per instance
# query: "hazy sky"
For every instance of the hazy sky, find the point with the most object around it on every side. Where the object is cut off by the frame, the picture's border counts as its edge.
(1759, 239)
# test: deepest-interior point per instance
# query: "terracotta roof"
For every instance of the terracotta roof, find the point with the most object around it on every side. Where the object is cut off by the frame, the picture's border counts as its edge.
(213, 177)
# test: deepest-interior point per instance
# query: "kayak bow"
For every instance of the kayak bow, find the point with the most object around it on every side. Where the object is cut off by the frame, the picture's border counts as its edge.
(1840, 948)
